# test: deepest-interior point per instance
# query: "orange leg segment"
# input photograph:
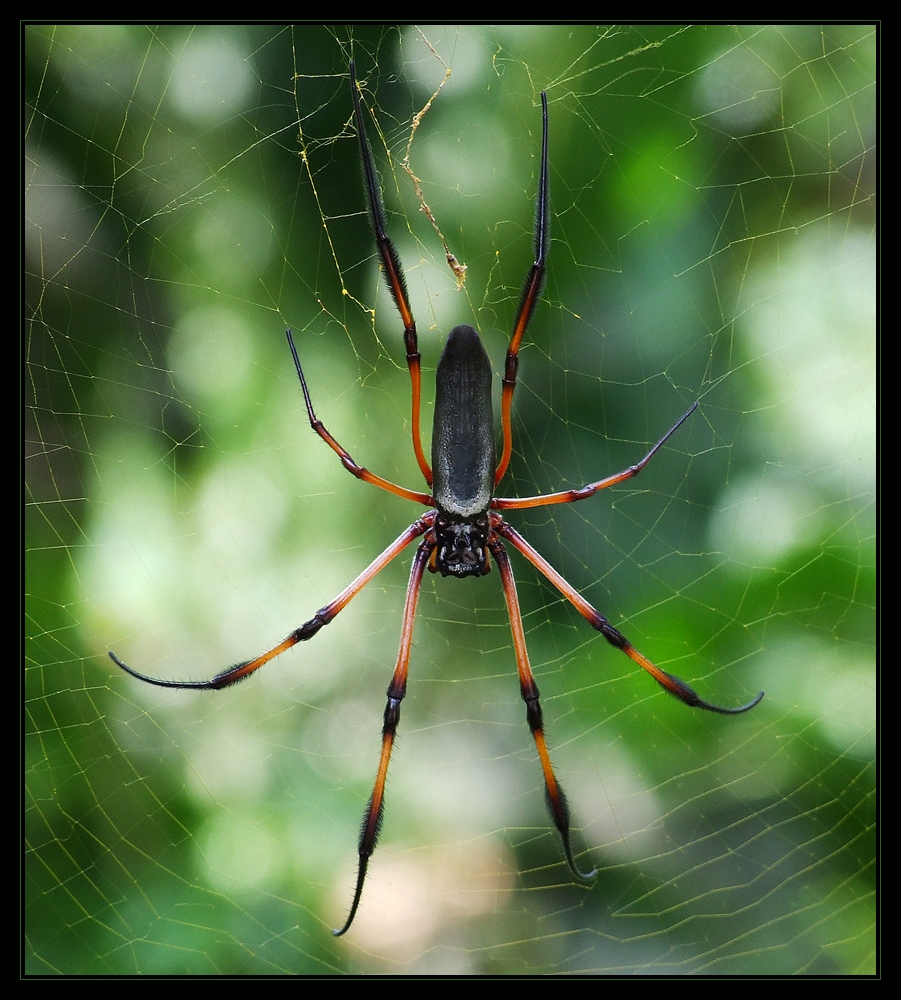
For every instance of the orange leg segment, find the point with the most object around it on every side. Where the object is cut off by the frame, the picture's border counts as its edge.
(372, 818)
(584, 492)
(556, 800)
(394, 274)
(674, 685)
(342, 453)
(306, 631)
(528, 300)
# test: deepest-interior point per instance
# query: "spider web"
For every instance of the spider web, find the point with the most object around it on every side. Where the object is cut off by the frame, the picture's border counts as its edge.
(191, 191)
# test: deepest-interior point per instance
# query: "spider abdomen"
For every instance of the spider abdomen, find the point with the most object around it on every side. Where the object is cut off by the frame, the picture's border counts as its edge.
(463, 432)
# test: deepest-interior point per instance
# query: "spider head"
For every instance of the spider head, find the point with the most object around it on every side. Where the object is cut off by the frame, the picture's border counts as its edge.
(462, 548)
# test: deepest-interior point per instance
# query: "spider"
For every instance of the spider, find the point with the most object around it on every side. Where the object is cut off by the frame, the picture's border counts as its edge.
(463, 529)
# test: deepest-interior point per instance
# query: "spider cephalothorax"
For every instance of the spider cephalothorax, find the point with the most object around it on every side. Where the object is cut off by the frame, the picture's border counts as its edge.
(461, 547)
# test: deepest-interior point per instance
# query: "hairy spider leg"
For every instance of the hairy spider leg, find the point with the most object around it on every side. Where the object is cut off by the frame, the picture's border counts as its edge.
(584, 492)
(342, 453)
(556, 800)
(372, 817)
(306, 631)
(394, 275)
(531, 292)
(672, 684)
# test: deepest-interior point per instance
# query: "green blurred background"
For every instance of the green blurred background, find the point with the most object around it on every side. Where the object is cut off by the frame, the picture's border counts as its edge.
(190, 192)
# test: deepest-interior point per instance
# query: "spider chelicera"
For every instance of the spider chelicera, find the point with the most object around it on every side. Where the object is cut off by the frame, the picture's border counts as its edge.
(463, 528)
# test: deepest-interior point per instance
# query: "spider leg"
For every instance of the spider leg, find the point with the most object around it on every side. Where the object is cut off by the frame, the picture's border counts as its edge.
(306, 631)
(583, 493)
(356, 470)
(529, 298)
(556, 800)
(674, 685)
(394, 274)
(372, 818)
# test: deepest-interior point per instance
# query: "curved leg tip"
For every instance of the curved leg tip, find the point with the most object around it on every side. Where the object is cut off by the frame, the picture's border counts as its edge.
(586, 878)
(709, 706)
(748, 707)
(341, 931)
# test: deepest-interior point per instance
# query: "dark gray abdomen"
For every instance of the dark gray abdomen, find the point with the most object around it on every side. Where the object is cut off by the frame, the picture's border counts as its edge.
(463, 432)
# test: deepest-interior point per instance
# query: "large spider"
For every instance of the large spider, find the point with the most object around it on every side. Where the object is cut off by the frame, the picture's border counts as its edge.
(463, 528)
